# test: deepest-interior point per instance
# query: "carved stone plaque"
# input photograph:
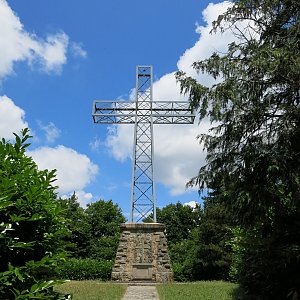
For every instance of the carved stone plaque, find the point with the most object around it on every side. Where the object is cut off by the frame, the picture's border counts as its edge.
(142, 271)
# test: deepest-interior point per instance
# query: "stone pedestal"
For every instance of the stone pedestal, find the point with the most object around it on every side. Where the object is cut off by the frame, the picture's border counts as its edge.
(142, 254)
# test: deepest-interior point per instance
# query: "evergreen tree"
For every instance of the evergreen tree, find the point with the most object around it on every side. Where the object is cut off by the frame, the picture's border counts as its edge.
(213, 255)
(253, 153)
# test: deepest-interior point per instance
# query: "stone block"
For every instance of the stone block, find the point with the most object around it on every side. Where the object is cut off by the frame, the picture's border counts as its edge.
(143, 254)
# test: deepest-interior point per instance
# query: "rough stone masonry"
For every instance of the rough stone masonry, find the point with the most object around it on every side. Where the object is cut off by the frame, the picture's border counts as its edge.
(142, 254)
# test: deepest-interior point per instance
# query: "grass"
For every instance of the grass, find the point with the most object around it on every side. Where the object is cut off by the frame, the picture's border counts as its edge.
(204, 290)
(92, 290)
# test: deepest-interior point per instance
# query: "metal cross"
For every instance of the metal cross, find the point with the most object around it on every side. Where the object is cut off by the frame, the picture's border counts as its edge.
(143, 113)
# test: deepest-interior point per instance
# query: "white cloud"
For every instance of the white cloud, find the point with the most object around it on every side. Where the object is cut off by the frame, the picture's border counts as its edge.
(83, 197)
(167, 89)
(53, 52)
(16, 44)
(120, 141)
(77, 50)
(191, 204)
(178, 155)
(74, 170)
(12, 118)
(207, 44)
(51, 131)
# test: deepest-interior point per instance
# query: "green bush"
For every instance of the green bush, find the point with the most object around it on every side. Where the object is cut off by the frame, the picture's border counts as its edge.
(85, 269)
(31, 227)
(180, 272)
(182, 256)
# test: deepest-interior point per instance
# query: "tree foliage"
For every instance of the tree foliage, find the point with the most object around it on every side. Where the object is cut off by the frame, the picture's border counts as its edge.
(213, 256)
(79, 237)
(253, 151)
(31, 227)
(179, 220)
(197, 240)
(104, 219)
(94, 238)
(95, 230)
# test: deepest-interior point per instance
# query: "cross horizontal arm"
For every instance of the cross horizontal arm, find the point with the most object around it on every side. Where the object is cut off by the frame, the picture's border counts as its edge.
(124, 112)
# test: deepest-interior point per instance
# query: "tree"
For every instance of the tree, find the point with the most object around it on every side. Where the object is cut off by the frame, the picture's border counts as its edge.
(31, 228)
(93, 241)
(213, 254)
(253, 153)
(77, 223)
(179, 220)
(197, 239)
(103, 219)
(95, 230)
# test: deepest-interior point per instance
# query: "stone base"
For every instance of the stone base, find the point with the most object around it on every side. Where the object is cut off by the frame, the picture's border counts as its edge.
(142, 254)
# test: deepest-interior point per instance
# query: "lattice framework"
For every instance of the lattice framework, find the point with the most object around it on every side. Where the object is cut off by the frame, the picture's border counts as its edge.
(143, 113)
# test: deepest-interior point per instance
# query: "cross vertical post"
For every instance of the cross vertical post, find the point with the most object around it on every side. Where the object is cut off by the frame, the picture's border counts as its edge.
(143, 113)
(143, 186)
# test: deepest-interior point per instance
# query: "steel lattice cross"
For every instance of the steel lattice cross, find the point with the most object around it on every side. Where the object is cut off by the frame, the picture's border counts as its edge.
(143, 113)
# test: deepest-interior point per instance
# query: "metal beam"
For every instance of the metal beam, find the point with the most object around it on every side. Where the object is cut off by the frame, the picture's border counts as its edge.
(124, 112)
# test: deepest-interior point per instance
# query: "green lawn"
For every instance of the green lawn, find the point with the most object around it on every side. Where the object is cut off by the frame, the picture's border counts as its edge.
(204, 290)
(93, 290)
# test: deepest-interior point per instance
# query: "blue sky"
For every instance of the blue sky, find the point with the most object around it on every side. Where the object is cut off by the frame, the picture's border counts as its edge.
(56, 57)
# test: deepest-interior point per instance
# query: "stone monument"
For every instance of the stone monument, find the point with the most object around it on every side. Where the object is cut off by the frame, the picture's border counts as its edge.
(142, 254)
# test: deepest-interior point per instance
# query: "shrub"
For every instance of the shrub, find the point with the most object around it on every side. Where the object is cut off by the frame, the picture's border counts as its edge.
(85, 269)
(180, 272)
(31, 228)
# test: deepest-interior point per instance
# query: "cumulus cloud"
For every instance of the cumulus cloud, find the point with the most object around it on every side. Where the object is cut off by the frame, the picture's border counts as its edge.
(51, 131)
(120, 141)
(84, 198)
(178, 155)
(207, 44)
(74, 170)
(52, 52)
(16, 44)
(12, 118)
(167, 89)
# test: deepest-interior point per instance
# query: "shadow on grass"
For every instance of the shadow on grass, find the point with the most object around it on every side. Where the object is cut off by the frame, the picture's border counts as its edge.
(239, 294)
